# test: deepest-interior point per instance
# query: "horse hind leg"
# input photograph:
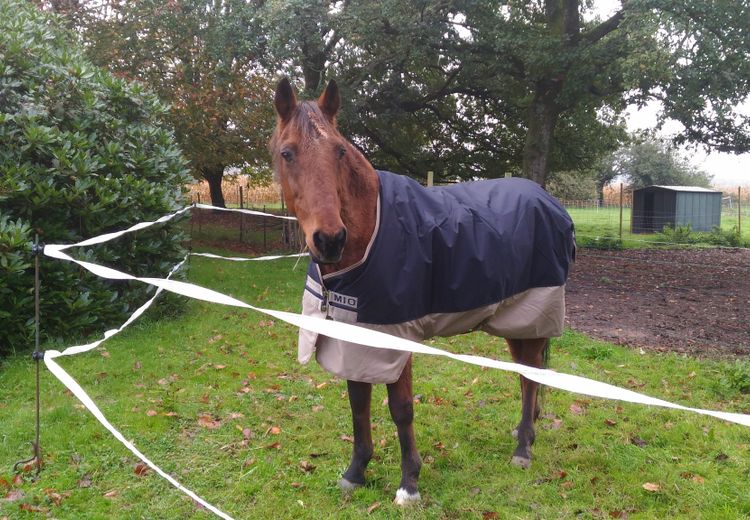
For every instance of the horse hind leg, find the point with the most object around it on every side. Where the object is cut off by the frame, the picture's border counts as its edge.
(360, 397)
(530, 352)
(401, 405)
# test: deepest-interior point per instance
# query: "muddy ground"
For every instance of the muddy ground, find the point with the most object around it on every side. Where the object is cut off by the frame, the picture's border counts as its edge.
(695, 301)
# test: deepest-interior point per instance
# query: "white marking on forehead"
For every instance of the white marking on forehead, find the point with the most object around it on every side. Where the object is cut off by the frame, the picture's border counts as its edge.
(316, 124)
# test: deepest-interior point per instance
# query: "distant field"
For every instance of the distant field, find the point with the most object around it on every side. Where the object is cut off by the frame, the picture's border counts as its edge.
(605, 222)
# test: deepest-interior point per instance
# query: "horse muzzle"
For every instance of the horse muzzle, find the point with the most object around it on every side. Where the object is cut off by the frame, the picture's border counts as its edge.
(329, 247)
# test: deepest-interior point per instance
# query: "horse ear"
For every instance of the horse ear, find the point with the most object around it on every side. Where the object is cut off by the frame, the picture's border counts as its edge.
(285, 100)
(330, 101)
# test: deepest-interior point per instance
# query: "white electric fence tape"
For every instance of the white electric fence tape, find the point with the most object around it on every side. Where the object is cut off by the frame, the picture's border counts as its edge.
(245, 211)
(82, 396)
(244, 259)
(338, 330)
(372, 338)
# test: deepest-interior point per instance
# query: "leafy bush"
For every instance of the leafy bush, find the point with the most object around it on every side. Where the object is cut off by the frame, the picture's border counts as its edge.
(679, 235)
(81, 153)
(728, 238)
(717, 237)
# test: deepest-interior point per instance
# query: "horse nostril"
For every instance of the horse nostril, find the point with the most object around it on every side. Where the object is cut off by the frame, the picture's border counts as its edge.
(329, 246)
(340, 237)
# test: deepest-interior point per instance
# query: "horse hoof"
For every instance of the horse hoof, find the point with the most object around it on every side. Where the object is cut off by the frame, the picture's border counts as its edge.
(348, 486)
(521, 462)
(514, 433)
(404, 498)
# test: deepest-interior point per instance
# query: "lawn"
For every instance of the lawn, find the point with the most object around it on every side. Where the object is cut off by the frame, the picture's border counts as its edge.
(216, 397)
(592, 223)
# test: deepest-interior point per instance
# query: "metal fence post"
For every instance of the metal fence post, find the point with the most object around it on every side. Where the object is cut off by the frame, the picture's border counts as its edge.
(242, 215)
(200, 225)
(264, 230)
(620, 211)
(739, 210)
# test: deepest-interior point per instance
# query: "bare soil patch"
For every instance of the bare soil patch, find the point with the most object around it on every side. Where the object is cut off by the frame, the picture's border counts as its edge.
(695, 301)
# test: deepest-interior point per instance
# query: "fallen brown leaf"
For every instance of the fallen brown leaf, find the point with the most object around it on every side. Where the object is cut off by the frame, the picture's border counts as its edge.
(306, 466)
(32, 508)
(209, 422)
(489, 515)
(141, 469)
(85, 481)
(152, 413)
(575, 409)
(650, 486)
(55, 497)
(373, 507)
(14, 494)
(274, 446)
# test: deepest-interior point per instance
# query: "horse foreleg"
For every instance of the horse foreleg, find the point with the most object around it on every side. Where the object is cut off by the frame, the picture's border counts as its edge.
(401, 405)
(528, 352)
(360, 396)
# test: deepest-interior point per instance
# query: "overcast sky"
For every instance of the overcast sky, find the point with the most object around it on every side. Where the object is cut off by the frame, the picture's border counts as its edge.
(727, 169)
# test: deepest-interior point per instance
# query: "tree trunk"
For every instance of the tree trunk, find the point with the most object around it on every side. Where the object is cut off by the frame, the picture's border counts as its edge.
(543, 115)
(214, 176)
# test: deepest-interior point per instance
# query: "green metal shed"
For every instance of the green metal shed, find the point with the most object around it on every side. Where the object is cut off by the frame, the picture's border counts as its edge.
(655, 207)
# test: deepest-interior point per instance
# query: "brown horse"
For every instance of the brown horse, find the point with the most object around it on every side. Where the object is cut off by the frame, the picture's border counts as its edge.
(338, 199)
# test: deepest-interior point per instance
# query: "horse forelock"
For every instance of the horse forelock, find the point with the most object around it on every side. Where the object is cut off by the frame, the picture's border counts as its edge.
(310, 123)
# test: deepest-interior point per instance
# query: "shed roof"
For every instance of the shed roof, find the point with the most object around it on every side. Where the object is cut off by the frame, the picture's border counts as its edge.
(685, 188)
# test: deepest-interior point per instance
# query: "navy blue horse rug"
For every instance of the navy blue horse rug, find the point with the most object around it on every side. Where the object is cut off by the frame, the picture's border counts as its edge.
(488, 255)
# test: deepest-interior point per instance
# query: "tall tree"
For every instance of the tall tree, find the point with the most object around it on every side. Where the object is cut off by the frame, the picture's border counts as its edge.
(480, 87)
(652, 162)
(201, 56)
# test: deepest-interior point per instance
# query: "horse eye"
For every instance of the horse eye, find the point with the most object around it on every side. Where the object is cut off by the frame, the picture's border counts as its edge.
(287, 155)
(342, 151)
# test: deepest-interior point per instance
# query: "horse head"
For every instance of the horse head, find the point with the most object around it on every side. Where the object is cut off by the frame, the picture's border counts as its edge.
(310, 161)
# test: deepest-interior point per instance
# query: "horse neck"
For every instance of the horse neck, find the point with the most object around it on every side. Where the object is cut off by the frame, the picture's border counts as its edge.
(359, 201)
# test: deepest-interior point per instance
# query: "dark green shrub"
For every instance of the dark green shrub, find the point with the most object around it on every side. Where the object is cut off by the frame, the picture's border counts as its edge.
(81, 153)
(728, 238)
(678, 235)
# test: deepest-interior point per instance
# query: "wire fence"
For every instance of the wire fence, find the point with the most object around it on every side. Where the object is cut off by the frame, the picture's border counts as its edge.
(607, 223)
(614, 222)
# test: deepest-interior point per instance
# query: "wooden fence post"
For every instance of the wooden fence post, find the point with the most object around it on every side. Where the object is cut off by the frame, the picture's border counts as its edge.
(430, 178)
(265, 247)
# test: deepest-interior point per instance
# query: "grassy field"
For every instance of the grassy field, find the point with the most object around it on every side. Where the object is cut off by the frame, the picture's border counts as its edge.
(216, 397)
(605, 222)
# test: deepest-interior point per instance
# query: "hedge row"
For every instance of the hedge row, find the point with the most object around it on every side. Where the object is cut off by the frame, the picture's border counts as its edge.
(81, 153)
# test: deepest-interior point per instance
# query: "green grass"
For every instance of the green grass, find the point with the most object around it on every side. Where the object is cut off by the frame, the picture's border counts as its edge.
(591, 460)
(605, 222)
